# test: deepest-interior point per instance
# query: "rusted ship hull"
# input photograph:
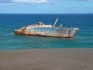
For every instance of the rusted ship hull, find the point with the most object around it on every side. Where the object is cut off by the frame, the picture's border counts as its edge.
(46, 35)
(47, 32)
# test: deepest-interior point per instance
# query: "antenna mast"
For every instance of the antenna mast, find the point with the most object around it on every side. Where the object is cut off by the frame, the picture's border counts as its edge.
(55, 22)
(61, 25)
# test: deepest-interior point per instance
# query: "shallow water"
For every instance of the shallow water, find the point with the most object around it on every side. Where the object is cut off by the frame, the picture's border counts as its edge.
(9, 22)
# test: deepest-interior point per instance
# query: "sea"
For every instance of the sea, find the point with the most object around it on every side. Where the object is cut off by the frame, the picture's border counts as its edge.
(9, 22)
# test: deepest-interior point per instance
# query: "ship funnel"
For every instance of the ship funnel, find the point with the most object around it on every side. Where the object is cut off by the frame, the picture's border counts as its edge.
(55, 22)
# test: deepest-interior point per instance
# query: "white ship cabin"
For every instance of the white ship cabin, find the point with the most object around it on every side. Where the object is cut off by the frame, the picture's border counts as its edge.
(40, 24)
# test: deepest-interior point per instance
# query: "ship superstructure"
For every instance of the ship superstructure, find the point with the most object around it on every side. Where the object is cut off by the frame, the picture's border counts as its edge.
(40, 29)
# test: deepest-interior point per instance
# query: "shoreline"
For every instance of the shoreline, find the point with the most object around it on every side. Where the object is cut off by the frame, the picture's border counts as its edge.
(47, 59)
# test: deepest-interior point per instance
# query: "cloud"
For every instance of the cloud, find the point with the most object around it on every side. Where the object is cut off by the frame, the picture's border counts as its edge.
(38, 1)
(23, 1)
(29, 1)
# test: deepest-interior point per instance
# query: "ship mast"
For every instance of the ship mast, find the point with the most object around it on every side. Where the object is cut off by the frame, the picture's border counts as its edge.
(61, 25)
(55, 22)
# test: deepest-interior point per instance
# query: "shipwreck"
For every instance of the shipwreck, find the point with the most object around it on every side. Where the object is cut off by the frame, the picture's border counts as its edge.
(41, 29)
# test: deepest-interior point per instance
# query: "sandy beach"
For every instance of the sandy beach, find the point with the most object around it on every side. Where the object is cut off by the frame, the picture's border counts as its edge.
(47, 59)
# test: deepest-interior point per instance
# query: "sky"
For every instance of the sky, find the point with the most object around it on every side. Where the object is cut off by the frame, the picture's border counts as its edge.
(46, 6)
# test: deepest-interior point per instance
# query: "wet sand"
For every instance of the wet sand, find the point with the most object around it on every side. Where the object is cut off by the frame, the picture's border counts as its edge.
(47, 59)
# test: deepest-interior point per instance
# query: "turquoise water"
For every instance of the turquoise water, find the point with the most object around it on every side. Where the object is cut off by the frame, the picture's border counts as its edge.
(9, 22)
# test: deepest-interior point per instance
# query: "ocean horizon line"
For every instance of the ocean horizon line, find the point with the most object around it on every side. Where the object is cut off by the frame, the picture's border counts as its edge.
(46, 13)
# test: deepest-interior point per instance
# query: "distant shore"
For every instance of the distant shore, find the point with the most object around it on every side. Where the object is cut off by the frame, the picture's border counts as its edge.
(47, 59)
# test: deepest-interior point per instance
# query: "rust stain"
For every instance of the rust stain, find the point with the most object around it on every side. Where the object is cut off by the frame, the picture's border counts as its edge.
(60, 34)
